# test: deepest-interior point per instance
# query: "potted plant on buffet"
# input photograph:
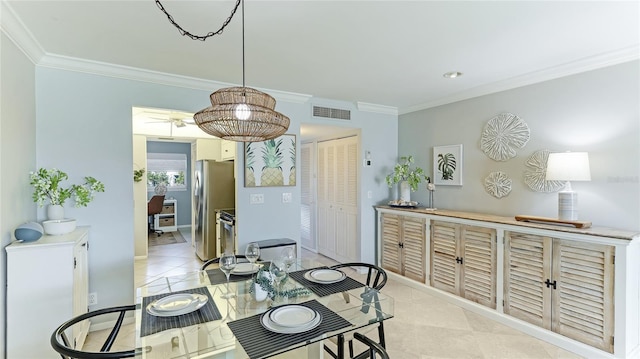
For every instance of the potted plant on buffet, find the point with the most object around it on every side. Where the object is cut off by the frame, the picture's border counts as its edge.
(408, 177)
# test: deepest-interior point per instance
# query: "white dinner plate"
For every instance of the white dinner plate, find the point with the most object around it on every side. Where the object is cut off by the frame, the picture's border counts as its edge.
(325, 276)
(244, 269)
(177, 304)
(292, 316)
(271, 326)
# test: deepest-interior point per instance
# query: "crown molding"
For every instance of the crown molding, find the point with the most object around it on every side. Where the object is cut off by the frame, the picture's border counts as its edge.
(583, 65)
(17, 32)
(138, 74)
(371, 107)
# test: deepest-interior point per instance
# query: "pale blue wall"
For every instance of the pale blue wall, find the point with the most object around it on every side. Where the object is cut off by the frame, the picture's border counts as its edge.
(595, 111)
(84, 126)
(17, 153)
(183, 197)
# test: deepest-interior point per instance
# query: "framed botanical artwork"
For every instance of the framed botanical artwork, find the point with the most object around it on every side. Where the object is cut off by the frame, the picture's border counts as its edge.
(270, 163)
(447, 165)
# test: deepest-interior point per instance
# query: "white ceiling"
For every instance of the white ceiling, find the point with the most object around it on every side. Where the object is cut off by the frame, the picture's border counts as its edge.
(388, 53)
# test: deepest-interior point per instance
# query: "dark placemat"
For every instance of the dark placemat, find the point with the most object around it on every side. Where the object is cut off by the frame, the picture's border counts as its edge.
(259, 342)
(216, 276)
(322, 290)
(152, 324)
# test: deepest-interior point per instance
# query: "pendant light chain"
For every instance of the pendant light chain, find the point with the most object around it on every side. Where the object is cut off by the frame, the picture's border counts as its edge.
(243, 85)
(240, 114)
(184, 32)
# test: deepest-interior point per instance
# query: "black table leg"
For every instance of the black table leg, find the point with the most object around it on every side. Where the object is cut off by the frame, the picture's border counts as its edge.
(340, 346)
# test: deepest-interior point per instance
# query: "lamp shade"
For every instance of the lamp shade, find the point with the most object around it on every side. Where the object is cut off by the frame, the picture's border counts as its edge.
(568, 166)
(242, 114)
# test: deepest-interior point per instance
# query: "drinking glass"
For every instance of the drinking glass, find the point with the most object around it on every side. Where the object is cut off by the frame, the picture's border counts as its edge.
(289, 257)
(252, 252)
(278, 272)
(227, 263)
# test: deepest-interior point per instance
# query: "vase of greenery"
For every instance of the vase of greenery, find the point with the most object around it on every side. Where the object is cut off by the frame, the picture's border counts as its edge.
(408, 177)
(47, 184)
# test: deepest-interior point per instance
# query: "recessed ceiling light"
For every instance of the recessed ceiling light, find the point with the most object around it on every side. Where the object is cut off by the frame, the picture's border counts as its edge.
(452, 74)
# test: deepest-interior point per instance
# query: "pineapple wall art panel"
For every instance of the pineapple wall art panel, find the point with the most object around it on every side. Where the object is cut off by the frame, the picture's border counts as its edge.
(270, 163)
(447, 165)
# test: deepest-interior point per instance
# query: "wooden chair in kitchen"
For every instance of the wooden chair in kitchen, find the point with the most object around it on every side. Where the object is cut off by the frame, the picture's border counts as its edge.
(240, 258)
(154, 206)
(63, 346)
(376, 278)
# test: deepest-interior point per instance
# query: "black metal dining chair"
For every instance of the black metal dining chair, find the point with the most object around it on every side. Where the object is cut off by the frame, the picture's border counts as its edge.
(240, 258)
(376, 278)
(374, 348)
(61, 344)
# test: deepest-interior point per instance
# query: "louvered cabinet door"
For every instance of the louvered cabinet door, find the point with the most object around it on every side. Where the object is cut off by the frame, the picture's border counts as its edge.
(413, 248)
(478, 277)
(583, 302)
(527, 266)
(390, 240)
(444, 269)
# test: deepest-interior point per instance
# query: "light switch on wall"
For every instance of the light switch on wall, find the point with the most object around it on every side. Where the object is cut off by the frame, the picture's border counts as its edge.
(286, 197)
(257, 198)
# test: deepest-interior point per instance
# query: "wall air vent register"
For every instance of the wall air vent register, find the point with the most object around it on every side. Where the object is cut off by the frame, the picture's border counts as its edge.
(335, 113)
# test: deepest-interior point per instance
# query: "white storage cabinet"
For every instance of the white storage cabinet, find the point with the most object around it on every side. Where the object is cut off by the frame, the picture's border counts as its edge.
(47, 284)
(166, 220)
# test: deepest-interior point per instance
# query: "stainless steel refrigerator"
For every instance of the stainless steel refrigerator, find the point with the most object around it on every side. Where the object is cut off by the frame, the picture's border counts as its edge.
(214, 188)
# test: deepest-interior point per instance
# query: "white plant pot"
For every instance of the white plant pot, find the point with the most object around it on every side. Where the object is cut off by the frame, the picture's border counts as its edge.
(405, 191)
(55, 211)
(261, 294)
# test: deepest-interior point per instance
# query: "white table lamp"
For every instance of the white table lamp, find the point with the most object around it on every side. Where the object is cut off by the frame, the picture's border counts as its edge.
(568, 166)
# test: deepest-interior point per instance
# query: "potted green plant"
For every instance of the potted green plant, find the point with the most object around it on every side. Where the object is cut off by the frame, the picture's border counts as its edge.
(47, 185)
(408, 177)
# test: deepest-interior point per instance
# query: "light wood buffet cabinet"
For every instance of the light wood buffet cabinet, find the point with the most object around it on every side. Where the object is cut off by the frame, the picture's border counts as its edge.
(561, 285)
(403, 245)
(576, 288)
(47, 284)
(463, 261)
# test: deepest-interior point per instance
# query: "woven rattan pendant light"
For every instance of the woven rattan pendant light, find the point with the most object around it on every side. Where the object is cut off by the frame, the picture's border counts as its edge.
(242, 113)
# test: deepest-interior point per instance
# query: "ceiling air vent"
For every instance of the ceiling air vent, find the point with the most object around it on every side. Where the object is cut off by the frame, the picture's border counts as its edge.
(331, 113)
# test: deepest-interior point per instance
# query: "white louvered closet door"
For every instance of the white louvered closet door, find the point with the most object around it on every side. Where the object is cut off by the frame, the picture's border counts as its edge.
(307, 202)
(583, 302)
(337, 198)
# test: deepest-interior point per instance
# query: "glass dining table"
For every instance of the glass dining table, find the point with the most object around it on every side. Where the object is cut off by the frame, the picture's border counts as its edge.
(233, 322)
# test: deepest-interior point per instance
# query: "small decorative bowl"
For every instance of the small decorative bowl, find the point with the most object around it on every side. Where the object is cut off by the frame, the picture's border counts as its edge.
(29, 232)
(57, 227)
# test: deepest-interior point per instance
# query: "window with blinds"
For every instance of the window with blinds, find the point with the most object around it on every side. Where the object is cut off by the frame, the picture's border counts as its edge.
(168, 169)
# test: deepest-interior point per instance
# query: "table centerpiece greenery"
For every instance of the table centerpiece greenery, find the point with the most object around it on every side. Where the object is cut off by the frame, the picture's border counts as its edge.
(47, 184)
(264, 280)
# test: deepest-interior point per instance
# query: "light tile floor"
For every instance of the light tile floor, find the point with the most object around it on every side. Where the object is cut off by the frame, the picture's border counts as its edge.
(438, 330)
